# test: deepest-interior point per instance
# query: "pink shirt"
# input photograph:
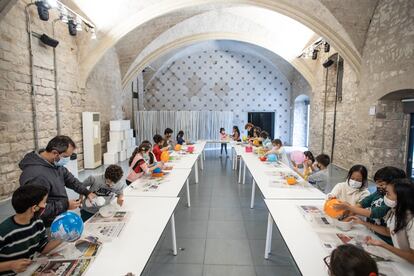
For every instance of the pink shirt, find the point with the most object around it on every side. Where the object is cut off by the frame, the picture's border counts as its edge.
(223, 136)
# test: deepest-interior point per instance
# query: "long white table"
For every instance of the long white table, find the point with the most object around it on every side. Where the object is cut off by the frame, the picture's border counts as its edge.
(133, 248)
(187, 161)
(171, 185)
(262, 173)
(303, 242)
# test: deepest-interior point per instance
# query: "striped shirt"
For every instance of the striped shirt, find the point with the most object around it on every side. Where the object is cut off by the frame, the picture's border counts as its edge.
(21, 241)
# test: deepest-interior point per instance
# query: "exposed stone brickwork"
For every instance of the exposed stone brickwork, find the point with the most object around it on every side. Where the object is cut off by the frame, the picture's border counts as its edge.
(103, 92)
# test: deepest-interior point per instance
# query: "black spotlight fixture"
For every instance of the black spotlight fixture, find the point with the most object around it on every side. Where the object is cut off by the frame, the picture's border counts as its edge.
(42, 10)
(49, 41)
(328, 63)
(315, 54)
(326, 47)
(72, 27)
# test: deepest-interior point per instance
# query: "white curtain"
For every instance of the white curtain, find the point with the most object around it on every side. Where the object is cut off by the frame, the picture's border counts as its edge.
(195, 124)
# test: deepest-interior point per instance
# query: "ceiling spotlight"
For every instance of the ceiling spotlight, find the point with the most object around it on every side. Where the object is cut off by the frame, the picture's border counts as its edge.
(42, 10)
(326, 47)
(72, 27)
(78, 24)
(64, 15)
(93, 33)
(315, 54)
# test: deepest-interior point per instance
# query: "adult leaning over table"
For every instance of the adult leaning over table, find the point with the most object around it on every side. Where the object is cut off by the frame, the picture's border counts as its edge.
(46, 168)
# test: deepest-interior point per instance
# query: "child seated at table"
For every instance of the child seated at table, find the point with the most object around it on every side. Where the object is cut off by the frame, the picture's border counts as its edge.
(399, 220)
(266, 142)
(347, 259)
(24, 234)
(107, 185)
(320, 177)
(373, 206)
(279, 150)
(158, 149)
(180, 137)
(236, 134)
(139, 162)
(354, 189)
(223, 137)
(307, 165)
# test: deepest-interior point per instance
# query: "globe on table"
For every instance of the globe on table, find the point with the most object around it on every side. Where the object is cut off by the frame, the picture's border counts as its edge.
(272, 158)
(68, 227)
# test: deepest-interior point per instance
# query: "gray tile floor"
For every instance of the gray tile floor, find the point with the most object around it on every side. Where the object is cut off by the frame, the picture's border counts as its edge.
(219, 234)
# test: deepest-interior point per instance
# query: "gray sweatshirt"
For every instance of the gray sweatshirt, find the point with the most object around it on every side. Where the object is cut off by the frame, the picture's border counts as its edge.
(38, 171)
(97, 185)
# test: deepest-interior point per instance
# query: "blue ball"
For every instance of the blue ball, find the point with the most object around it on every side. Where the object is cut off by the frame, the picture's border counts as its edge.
(157, 170)
(68, 227)
(272, 158)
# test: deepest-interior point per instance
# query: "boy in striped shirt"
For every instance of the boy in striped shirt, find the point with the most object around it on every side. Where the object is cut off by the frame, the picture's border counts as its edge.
(24, 234)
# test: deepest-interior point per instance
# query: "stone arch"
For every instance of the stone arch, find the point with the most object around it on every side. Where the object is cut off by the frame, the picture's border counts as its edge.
(312, 14)
(185, 41)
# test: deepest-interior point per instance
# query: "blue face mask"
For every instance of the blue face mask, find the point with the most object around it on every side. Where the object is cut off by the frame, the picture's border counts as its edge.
(62, 161)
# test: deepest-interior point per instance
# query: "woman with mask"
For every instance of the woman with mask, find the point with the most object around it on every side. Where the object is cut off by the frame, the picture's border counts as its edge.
(373, 206)
(354, 189)
(399, 220)
(139, 163)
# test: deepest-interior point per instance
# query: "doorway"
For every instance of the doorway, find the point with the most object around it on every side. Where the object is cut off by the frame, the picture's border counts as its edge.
(264, 120)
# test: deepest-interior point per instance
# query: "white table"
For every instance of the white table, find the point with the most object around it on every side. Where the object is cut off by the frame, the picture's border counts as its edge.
(131, 251)
(261, 172)
(301, 239)
(187, 161)
(171, 186)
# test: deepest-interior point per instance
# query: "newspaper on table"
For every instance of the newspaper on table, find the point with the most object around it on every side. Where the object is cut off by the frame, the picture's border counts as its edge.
(75, 267)
(316, 217)
(107, 228)
(148, 184)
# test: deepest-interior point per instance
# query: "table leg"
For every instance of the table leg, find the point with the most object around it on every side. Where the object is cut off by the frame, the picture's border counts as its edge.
(244, 173)
(188, 193)
(268, 246)
(240, 169)
(202, 162)
(196, 171)
(253, 194)
(204, 154)
(173, 236)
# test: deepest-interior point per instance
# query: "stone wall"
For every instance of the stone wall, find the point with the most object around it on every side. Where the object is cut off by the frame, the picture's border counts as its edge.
(388, 65)
(103, 92)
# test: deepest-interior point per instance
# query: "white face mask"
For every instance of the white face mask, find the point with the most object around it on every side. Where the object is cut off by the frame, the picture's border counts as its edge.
(354, 184)
(390, 203)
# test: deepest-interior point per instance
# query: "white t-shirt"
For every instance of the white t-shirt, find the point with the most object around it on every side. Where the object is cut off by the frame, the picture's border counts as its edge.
(344, 192)
(403, 239)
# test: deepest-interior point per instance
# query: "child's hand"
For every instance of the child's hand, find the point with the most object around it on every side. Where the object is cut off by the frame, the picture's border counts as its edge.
(370, 241)
(357, 220)
(120, 200)
(342, 206)
(20, 265)
(74, 204)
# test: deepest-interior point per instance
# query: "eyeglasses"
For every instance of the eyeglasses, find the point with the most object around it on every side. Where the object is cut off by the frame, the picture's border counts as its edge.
(327, 261)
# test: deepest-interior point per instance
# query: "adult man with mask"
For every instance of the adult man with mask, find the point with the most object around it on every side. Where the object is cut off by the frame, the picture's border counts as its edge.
(46, 168)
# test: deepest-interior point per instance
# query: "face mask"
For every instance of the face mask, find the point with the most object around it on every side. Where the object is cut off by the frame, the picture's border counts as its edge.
(354, 184)
(381, 191)
(62, 161)
(390, 203)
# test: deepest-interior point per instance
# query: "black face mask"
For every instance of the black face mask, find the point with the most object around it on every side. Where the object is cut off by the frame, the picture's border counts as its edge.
(381, 191)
